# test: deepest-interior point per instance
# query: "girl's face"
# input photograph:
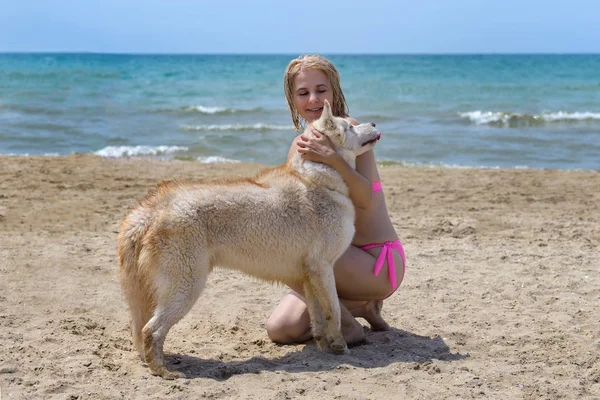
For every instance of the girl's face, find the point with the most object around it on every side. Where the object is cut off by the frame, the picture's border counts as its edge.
(311, 89)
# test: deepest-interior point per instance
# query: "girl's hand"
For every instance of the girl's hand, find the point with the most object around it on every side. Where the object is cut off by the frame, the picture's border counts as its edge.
(317, 148)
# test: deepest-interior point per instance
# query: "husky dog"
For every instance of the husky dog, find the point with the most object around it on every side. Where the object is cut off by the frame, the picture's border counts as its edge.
(288, 224)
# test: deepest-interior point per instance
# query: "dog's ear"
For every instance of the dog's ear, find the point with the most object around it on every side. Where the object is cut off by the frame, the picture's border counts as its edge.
(327, 117)
(327, 125)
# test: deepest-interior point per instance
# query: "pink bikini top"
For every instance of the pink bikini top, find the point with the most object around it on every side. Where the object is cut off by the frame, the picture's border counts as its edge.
(377, 187)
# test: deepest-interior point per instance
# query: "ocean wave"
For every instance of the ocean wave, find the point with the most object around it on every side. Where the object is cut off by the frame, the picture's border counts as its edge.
(60, 75)
(375, 118)
(209, 110)
(216, 160)
(132, 151)
(220, 110)
(512, 119)
(442, 165)
(31, 110)
(30, 155)
(415, 164)
(237, 127)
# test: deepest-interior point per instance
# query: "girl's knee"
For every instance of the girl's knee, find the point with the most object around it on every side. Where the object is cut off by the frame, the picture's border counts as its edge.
(275, 330)
(283, 332)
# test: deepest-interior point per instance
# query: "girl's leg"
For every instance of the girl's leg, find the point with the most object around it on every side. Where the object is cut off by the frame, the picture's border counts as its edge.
(290, 322)
(354, 276)
(370, 311)
(360, 293)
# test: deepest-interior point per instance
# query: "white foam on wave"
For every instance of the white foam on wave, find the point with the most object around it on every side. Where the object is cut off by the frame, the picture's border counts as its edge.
(482, 117)
(236, 127)
(30, 155)
(416, 164)
(218, 110)
(504, 118)
(207, 110)
(573, 116)
(132, 151)
(216, 160)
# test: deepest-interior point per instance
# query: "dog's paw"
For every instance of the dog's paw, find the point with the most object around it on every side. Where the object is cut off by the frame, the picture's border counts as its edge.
(333, 346)
(166, 374)
(338, 347)
(171, 375)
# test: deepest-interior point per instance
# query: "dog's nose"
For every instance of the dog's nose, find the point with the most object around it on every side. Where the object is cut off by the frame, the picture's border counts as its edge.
(372, 124)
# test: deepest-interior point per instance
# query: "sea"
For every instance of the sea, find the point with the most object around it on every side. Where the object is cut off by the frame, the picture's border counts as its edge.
(451, 111)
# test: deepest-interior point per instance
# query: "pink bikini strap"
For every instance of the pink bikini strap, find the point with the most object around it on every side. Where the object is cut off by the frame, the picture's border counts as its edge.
(386, 252)
(376, 187)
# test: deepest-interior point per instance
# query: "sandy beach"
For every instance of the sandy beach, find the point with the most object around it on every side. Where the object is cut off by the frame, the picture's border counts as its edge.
(500, 301)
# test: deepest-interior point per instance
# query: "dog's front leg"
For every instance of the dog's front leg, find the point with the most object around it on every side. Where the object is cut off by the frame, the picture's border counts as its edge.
(317, 317)
(324, 308)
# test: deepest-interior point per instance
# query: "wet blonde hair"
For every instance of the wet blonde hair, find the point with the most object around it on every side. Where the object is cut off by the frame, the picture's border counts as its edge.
(314, 61)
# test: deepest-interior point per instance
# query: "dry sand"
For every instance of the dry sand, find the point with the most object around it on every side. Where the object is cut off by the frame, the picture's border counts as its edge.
(501, 297)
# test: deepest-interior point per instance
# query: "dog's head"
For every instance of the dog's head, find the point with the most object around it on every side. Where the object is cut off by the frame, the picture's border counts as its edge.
(348, 140)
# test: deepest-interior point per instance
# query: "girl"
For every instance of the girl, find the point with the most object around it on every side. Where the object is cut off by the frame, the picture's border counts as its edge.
(372, 268)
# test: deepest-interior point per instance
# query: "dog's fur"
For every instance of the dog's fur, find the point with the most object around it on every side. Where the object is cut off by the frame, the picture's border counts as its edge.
(289, 224)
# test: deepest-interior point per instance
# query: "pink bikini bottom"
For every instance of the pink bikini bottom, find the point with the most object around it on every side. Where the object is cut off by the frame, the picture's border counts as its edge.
(386, 252)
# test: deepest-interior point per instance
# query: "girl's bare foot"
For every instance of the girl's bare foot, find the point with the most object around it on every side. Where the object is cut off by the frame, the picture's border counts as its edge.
(371, 312)
(352, 330)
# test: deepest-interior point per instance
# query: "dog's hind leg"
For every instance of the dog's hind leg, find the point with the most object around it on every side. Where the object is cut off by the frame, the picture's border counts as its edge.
(142, 307)
(178, 288)
(139, 298)
(322, 282)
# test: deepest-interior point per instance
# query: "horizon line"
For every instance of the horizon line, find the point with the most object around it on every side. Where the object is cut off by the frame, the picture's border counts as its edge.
(490, 53)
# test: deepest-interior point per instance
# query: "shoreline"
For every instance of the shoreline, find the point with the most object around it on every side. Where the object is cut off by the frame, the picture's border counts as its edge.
(218, 160)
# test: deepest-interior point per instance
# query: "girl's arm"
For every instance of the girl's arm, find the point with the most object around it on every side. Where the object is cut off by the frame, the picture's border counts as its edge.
(361, 192)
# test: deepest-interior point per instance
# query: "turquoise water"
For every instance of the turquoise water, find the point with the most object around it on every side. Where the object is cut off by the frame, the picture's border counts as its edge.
(536, 111)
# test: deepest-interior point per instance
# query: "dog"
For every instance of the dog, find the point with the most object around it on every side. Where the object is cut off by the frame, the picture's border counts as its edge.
(289, 224)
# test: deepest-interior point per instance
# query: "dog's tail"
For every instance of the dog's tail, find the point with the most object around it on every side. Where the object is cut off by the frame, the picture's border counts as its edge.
(135, 282)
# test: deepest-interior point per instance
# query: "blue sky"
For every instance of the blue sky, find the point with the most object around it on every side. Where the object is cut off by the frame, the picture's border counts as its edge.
(280, 26)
